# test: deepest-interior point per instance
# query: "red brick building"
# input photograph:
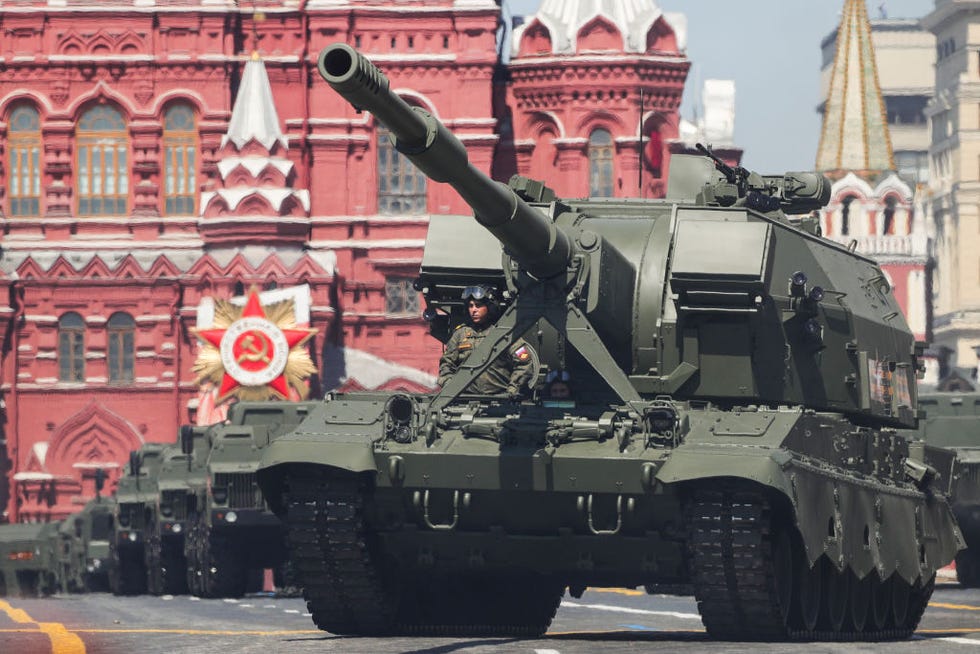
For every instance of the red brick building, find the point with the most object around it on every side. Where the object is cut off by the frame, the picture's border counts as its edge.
(148, 161)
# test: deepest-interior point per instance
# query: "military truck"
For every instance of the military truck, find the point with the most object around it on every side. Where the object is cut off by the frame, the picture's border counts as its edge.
(136, 498)
(29, 559)
(738, 383)
(953, 421)
(180, 480)
(84, 554)
(232, 535)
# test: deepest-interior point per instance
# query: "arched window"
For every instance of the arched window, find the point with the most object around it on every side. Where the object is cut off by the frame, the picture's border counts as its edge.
(102, 174)
(888, 224)
(600, 164)
(121, 329)
(71, 348)
(401, 186)
(180, 160)
(24, 146)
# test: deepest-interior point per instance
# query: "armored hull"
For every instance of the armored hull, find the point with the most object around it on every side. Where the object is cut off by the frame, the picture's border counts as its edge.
(135, 510)
(737, 387)
(84, 556)
(953, 422)
(28, 559)
(179, 480)
(231, 534)
(777, 520)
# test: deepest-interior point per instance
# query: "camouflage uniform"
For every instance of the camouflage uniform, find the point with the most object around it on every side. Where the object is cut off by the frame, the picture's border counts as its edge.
(508, 375)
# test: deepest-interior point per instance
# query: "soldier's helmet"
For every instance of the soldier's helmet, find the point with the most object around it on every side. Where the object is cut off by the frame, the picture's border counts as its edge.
(483, 293)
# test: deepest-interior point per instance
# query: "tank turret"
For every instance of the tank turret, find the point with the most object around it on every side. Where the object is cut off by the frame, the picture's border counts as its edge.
(731, 297)
(730, 426)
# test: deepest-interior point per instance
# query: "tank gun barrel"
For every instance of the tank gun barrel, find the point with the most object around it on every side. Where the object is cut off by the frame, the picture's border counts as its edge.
(527, 234)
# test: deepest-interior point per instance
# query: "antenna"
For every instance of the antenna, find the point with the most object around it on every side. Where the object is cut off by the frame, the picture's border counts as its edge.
(639, 175)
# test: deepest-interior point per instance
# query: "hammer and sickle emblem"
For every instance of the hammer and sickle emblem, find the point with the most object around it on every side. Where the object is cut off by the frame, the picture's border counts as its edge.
(252, 352)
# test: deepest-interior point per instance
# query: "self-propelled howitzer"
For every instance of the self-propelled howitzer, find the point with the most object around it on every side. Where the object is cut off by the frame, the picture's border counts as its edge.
(737, 381)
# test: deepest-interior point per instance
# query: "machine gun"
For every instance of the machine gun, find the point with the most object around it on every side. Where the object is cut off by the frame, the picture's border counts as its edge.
(734, 174)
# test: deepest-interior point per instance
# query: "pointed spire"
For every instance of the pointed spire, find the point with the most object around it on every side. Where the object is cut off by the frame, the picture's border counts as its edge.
(855, 132)
(254, 114)
(253, 198)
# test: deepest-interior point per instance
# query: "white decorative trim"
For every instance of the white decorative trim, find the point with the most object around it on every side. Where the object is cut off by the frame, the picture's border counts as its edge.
(369, 244)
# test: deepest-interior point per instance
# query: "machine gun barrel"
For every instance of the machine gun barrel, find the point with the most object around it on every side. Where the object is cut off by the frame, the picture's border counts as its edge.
(528, 235)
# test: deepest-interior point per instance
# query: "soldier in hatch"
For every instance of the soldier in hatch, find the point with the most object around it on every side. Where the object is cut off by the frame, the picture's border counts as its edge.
(512, 371)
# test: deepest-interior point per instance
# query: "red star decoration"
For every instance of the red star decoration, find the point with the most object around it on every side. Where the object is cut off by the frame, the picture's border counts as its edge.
(253, 309)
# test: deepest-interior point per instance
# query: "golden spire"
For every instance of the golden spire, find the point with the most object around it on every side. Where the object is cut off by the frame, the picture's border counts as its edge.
(855, 132)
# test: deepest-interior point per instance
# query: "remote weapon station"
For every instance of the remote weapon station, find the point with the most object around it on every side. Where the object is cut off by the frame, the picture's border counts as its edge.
(737, 382)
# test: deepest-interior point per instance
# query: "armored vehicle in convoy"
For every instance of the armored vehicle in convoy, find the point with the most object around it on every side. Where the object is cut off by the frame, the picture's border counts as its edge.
(953, 421)
(29, 559)
(737, 386)
(84, 553)
(136, 494)
(232, 535)
(180, 479)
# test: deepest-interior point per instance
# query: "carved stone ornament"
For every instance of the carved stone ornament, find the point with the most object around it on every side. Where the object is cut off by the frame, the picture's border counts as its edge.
(144, 91)
(59, 92)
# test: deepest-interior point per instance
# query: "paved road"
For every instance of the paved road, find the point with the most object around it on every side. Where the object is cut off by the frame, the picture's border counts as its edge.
(613, 621)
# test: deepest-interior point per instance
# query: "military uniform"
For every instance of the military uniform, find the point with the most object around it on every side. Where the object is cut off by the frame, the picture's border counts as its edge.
(508, 375)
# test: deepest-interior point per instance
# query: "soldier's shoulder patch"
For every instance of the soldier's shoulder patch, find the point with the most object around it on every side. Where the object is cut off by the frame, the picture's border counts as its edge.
(459, 326)
(522, 353)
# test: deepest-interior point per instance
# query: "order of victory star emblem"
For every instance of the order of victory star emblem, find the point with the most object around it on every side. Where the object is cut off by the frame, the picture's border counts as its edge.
(254, 353)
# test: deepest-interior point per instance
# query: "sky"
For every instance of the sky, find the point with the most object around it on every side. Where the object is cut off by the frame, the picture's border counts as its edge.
(771, 48)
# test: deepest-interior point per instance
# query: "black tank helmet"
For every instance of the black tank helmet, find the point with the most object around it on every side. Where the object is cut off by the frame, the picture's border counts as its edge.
(483, 293)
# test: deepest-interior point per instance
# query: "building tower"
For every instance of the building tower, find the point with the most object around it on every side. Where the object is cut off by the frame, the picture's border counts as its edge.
(871, 205)
(954, 155)
(577, 70)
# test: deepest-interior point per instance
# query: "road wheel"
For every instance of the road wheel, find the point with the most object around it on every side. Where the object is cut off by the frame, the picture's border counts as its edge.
(860, 602)
(901, 598)
(918, 601)
(783, 574)
(881, 603)
(811, 593)
(836, 598)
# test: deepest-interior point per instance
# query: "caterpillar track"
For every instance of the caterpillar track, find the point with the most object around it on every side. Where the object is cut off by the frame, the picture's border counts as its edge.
(349, 591)
(752, 581)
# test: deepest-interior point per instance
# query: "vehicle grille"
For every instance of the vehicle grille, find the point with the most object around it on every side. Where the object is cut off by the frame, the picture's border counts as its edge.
(243, 489)
(177, 501)
(136, 513)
